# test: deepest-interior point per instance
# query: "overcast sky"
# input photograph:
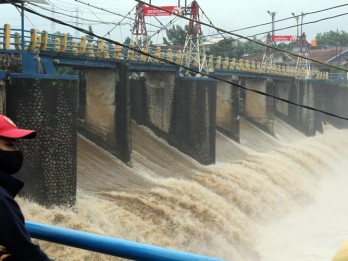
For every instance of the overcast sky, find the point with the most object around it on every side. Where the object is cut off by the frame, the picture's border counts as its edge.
(226, 14)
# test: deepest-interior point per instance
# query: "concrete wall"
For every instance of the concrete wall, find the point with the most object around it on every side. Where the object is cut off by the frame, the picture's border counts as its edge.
(227, 109)
(48, 106)
(334, 100)
(138, 101)
(194, 120)
(100, 102)
(160, 96)
(104, 111)
(282, 90)
(182, 111)
(303, 93)
(259, 108)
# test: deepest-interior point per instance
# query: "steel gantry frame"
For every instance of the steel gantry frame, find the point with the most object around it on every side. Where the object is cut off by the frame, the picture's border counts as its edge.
(139, 32)
(268, 57)
(302, 64)
(194, 53)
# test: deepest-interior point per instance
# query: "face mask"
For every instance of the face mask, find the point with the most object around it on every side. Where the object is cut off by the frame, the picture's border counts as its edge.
(11, 161)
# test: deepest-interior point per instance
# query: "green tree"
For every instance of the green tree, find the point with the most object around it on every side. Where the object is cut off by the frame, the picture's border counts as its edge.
(252, 47)
(127, 40)
(176, 35)
(332, 38)
(229, 47)
(286, 46)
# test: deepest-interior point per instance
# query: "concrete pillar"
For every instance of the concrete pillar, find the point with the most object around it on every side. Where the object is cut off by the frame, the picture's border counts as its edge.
(335, 99)
(308, 116)
(194, 118)
(182, 111)
(282, 90)
(303, 93)
(138, 101)
(227, 109)
(159, 88)
(259, 108)
(48, 106)
(293, 110)
(105, 109)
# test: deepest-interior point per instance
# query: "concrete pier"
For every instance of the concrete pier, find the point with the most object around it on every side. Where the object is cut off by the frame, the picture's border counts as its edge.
(227, 109)
(259, 108)
(104, 109)
(48, 106)
(180, 110)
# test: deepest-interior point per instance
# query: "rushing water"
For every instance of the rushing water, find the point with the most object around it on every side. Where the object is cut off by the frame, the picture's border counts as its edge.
(285, 203)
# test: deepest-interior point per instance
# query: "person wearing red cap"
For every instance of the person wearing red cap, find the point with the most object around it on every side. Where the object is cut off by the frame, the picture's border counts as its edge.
(15, 241)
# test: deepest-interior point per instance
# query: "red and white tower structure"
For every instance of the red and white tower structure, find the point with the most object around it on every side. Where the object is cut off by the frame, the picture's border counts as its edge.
(139, 33)
(194, 53)
(268, 57)
(303, 64)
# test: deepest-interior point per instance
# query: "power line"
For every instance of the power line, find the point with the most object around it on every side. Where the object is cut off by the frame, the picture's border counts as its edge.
(126, 17)
(108, 33)
(159, 28)
(210, 21)
(246, 38)
(288, 18)
(175, 64)
(162, 28)
(284, 28)
(72, 16)
(312, 22)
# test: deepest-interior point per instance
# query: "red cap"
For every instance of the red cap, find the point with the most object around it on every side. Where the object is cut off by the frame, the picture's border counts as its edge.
(9, 130)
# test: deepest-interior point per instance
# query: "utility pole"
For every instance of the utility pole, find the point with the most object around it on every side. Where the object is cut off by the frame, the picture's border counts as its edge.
(296, 17)
(268, 58)
(53, 28)
(302, 15)
(272, 14)
(77, 33)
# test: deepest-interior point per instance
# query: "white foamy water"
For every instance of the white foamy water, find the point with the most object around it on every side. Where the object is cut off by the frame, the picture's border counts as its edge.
(314, 233)
(236, 210)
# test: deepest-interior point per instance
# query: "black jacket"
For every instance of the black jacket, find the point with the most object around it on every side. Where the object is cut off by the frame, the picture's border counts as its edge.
(13, 234)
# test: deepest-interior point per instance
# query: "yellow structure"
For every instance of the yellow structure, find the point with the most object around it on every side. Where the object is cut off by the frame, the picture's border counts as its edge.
(342, 253)
(43, 41)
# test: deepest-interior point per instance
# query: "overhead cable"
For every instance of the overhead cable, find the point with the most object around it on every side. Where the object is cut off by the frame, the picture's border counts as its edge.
(284, 28)
(72, 16)
(288, 18)
(175, 64)
(111, 12)
(245, 38)
(311, 22)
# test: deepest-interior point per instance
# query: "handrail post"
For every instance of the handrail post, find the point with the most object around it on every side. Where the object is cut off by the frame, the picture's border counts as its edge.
(17, 40)
(7, 36)
(33, 39)
(44, 39)
(64, 43)
(82, 49)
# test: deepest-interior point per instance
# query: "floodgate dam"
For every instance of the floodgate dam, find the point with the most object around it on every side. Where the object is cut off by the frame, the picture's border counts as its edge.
(61, 86)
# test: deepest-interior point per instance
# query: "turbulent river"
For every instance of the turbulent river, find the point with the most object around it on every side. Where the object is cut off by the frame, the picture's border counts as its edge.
(268, 198)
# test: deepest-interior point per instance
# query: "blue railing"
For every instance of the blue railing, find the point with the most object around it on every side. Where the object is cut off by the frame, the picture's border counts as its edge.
(109, 245)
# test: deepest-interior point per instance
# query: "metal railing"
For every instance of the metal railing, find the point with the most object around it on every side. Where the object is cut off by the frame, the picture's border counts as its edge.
(109, 245)
(64, 43)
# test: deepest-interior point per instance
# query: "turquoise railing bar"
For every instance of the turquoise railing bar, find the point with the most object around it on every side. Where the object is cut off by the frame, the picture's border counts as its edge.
(109, 245)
